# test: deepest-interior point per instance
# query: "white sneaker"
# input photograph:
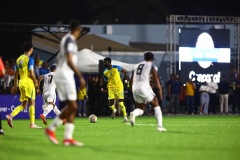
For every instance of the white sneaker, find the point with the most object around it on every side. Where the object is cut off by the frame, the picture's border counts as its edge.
(161, 129)
(125, 120)
(34, 126)
(9, 120)
(113, 113)
(132, 119)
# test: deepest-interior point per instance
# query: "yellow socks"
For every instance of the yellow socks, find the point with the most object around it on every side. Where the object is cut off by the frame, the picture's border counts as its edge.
(112, 108)
(17, 110)
(123, 109)
(32, 114)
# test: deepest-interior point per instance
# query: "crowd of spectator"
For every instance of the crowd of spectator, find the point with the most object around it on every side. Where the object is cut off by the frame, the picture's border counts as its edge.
(203, 98)
(191, 97)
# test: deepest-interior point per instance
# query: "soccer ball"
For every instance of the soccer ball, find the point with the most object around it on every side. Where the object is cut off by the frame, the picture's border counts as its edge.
(93, 118)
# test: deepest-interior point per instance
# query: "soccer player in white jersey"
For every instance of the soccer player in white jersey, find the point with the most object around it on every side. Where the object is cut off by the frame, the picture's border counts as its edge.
(142, 91)
(66, 87)
(48, 94)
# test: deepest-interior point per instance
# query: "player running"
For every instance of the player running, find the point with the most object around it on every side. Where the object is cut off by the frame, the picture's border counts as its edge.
(48, 94)
(115, 86)
(27, 85)
(142, 91)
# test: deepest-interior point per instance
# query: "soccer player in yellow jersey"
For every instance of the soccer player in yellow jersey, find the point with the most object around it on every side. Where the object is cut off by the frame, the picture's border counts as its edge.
(115, 86)
(27, 85)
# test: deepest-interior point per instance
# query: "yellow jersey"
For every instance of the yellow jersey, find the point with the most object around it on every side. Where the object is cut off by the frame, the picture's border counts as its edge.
(25, 63)
(113, 77)
(82, 93)
(189, 89)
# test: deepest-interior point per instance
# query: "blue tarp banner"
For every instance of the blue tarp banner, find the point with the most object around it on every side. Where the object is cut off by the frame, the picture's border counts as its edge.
(9, 102)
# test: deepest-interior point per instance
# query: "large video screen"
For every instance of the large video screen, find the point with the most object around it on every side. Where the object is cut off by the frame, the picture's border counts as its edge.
(203, 50)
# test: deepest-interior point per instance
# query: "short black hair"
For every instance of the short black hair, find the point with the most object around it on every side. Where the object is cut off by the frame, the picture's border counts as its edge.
(149, 56)
(27, 46)
(53, 67)
(108, 59)
(74, 24)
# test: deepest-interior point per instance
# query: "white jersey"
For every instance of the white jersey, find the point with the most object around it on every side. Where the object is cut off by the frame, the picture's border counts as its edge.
(49, 85)
(142, 74)
(68, 45)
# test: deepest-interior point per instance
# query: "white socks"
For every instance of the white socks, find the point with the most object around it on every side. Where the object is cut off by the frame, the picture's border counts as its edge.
(69, 128)
(56, 110)
(138, 112)
(158, 115)
(55, 123)
(47, 109)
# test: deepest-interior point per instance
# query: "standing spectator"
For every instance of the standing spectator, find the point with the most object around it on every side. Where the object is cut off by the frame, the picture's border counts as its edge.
(167, 85)
(82, 101)
(189, 93)
(174, 91)
(102, 98)
(37, 64)
(44, 69)
(213, 86)
(236, 94)
(204, 90)
(197, 94)
(223, 88)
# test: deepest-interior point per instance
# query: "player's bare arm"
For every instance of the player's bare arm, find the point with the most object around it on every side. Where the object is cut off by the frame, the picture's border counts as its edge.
(32, 76)
(76, 71)
(40, 78)
(156, 80)
(14, 89)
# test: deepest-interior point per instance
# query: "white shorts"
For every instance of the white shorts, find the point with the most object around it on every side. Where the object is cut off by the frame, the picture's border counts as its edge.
(143, 95)
(66, 88)
(49, 97)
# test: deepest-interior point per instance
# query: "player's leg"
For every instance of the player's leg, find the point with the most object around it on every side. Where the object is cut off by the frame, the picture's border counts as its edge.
(23, 99)
(152, 99)
(111, 98)
(157, 114)
(66, 92)
(138, 111)
(32, 113)
(120, 96)
(123, 109)
(139, 106)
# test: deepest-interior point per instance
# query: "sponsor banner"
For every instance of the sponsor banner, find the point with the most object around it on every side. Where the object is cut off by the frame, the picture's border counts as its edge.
(9, 102)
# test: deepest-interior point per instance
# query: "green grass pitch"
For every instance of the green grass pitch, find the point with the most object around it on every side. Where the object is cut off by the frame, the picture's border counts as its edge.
(187, 138)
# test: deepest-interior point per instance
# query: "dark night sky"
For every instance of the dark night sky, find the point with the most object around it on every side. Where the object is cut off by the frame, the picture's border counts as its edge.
(53, 11)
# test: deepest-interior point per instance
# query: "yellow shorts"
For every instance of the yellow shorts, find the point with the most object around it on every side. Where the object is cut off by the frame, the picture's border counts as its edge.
(115, 93)
(27, 90)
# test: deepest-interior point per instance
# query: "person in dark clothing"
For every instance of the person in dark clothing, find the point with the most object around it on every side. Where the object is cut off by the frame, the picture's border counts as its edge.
(102, 100)
(196, 94)
(223, 88)
(236, 94)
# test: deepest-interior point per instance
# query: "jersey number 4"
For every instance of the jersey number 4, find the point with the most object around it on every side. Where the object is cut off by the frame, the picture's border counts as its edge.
(139, 69)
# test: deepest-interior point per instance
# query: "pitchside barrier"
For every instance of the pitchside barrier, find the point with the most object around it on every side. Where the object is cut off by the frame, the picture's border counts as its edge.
(9, 102)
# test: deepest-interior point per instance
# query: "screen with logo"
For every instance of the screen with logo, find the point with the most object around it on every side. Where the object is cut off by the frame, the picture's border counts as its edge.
(204, 53)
